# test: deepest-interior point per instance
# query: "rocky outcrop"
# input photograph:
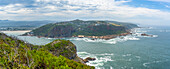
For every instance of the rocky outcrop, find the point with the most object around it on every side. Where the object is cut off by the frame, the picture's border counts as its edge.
(64, 48)
(107, 37)
(146, 35)
(89, 59)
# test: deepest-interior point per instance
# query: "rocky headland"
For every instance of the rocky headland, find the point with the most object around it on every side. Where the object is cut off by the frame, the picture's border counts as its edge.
(59, 54)
(79, 28)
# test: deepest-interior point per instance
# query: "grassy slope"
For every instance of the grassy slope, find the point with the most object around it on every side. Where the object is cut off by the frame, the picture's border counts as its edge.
(15, 53)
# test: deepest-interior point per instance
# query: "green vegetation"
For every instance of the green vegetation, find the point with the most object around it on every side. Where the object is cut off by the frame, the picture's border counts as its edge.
(62, 47)
(17, 54)
(79, 27)
(101, 30)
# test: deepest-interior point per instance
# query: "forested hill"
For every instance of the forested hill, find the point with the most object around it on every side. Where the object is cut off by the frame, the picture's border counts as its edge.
(80, 27)
(59, 54)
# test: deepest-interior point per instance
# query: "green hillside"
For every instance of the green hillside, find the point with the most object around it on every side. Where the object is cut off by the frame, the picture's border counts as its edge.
(59, 54)
(79, 27)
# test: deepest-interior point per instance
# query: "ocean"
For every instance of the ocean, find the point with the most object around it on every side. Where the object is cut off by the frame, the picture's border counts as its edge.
(128, 52)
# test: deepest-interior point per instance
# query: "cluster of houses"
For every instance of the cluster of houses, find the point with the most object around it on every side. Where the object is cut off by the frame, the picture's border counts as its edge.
(103, 37)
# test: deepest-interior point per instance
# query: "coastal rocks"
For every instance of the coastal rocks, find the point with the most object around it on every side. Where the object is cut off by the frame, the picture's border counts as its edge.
(146, 35)
(89, 59)
(106, 37)
(62, 47)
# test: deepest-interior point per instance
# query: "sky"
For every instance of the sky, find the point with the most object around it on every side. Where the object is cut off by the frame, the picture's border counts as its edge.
(148, 12)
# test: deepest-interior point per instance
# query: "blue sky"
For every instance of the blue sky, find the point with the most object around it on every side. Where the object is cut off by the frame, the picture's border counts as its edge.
(150, 12)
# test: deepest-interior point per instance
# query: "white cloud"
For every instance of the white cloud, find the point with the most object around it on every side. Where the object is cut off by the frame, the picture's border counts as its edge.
(87, 9)
(15, 8)
(109, 7)
(167, 6)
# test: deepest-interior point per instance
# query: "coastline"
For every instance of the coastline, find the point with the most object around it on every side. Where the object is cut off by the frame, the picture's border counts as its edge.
(106, 37)
(19, 32)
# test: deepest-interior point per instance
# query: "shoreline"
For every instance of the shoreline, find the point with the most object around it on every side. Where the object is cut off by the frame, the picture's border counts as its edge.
(106, 37)
(16, 31)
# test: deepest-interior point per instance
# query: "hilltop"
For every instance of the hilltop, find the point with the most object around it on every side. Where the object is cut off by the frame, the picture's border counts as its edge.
(80, 27)
(59, 54)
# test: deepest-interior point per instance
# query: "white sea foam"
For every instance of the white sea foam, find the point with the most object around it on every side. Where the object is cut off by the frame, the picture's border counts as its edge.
(110, 41)
(155, 36)
(111, 67)
(106, 54)
(100, 58)
(49, 38)
(147, 63)
(156, 61)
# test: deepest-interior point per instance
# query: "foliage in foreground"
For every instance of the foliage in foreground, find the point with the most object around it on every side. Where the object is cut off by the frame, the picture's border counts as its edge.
(15, 53)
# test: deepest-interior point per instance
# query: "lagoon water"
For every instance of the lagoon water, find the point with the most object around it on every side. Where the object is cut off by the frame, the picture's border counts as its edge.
(128, 52)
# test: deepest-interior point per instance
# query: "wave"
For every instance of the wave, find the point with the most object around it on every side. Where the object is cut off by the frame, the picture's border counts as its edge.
(148, 63)
(155, 36)
(100, 58)
(139, 31)
(145, 64)
(110, 41)
(105, 58)
(106, 54)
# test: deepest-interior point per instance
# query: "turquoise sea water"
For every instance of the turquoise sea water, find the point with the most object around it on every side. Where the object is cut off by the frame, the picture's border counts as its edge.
(129, 52)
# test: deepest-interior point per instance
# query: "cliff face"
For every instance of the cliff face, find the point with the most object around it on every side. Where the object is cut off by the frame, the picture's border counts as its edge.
(15, 53)
(79, 27)
(62, 47)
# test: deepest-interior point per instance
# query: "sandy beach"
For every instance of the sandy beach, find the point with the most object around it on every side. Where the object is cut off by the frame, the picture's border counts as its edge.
(16, 32)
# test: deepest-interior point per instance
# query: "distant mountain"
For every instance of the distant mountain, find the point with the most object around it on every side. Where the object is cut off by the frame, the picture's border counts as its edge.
(80, 27)
(4, 20)
(21, 25)
(8, 23)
